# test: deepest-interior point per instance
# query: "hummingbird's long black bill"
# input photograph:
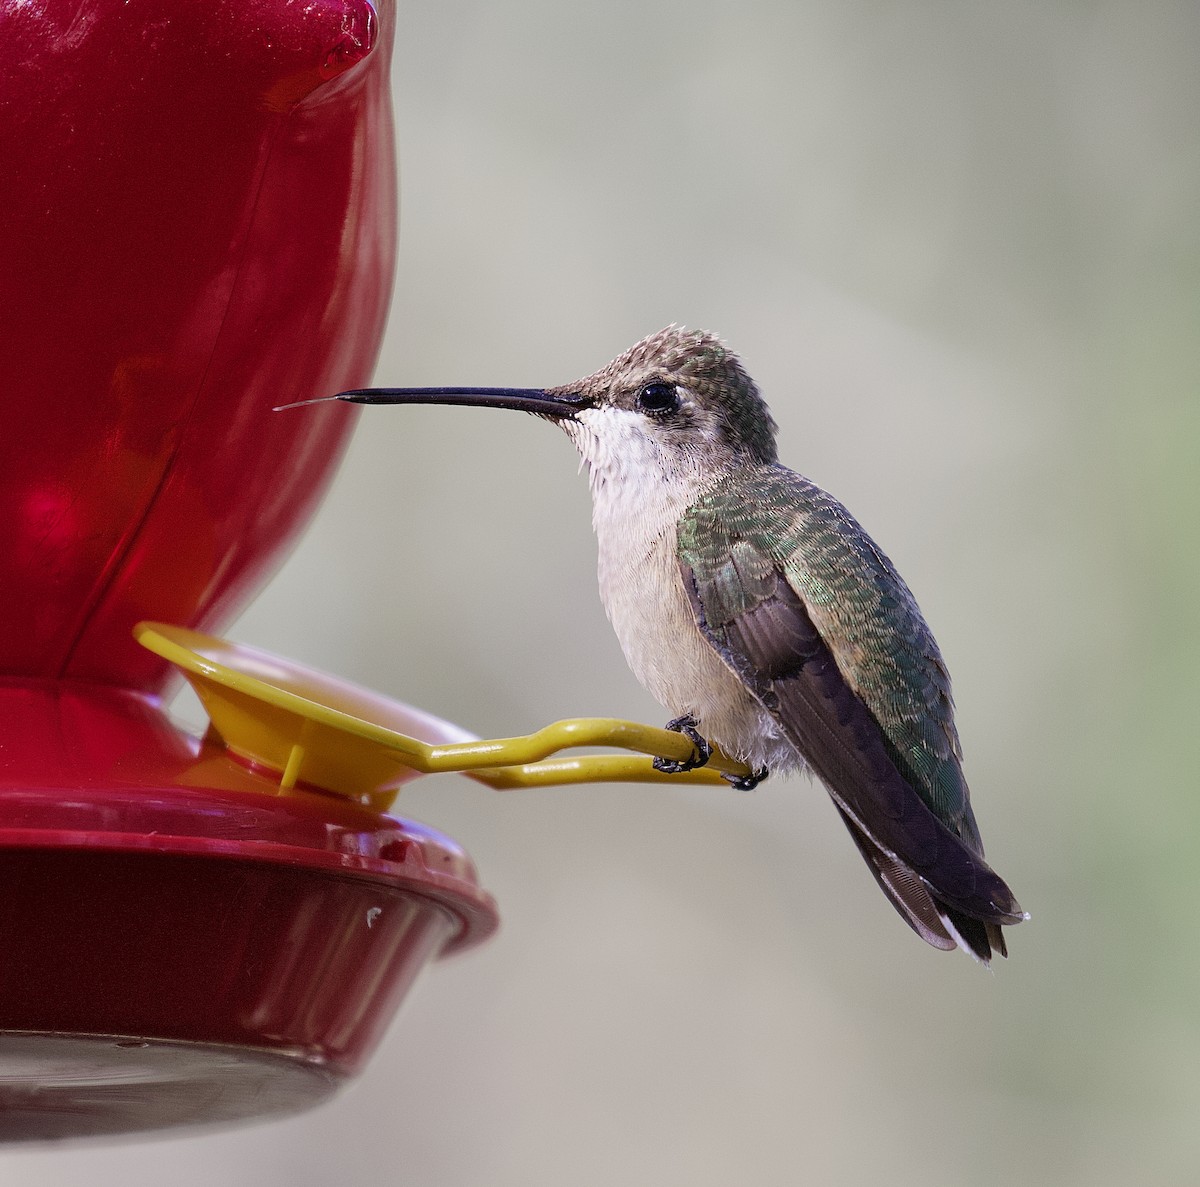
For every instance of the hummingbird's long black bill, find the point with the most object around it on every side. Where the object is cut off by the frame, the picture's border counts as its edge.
(557, 405)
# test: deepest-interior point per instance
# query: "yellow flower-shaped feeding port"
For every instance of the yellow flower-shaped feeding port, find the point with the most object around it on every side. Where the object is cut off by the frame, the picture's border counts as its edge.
(313, 730)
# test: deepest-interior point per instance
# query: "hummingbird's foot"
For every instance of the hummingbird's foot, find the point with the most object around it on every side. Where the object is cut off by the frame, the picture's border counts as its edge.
(686, 726)
(746, 782)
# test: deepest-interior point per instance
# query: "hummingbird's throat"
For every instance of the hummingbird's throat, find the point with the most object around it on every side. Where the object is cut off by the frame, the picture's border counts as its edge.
(634, 478)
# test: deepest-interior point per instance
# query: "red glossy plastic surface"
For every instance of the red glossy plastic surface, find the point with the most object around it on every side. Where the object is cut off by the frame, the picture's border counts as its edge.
(239, 950)
(197, 215)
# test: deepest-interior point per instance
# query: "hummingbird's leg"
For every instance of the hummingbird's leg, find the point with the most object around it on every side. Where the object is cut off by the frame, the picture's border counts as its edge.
(685, 725)
(746, 782)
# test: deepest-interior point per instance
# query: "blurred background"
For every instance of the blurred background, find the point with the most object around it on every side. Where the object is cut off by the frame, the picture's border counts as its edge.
(957, 246)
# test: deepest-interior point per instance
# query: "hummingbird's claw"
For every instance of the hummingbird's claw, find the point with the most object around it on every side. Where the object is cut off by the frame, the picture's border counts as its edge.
(686, 726)
(746, 782)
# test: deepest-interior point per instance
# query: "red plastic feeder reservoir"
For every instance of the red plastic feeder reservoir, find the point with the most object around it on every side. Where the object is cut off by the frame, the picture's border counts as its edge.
(197, 225)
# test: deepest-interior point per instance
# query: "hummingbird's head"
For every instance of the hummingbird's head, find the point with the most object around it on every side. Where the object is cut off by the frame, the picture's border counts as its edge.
(680, 396)
(679, 404)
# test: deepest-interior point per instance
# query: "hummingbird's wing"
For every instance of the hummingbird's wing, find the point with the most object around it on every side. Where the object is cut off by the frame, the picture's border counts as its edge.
(803, 606)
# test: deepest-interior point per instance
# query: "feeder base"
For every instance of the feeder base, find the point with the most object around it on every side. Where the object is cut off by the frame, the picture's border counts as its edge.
(72, 1086)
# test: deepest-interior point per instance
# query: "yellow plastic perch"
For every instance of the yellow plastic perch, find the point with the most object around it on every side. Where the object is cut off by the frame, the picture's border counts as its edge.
(316, 731)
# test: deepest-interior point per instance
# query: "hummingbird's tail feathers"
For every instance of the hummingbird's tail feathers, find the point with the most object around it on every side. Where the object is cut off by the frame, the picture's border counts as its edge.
(936, 923)
(975, 938)
(995, 935)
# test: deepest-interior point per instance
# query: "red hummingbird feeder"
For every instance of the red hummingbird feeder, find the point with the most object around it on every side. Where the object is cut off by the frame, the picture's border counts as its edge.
(197, 217)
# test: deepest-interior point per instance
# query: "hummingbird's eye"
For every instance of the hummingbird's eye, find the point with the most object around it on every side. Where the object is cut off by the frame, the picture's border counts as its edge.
(658, 399)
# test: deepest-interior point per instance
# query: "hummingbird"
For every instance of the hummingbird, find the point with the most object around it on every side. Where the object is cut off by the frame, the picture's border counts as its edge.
(753, 606)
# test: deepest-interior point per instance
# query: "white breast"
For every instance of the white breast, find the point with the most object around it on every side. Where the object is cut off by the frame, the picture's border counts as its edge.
(636, 511)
